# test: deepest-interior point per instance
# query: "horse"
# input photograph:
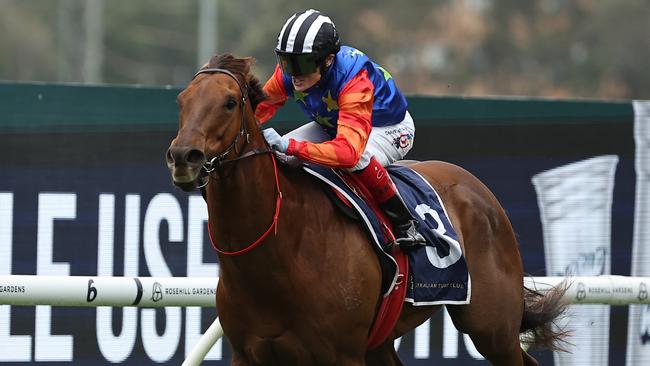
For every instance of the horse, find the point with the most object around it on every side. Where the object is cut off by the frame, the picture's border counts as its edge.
(299, 282)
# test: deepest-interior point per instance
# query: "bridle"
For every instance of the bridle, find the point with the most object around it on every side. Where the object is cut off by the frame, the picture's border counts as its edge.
(220, 159)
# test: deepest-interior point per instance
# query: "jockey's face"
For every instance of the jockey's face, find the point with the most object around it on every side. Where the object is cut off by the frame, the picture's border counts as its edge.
(304, 82)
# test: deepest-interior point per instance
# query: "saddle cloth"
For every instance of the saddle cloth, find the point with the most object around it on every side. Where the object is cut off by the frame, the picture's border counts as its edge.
(437, 271)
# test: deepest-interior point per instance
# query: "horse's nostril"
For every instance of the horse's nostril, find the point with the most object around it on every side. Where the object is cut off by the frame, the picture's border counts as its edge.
(196, 157)
(169, 158)
(184, 155)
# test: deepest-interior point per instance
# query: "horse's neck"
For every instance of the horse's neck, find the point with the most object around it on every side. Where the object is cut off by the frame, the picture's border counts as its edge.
(242, 202)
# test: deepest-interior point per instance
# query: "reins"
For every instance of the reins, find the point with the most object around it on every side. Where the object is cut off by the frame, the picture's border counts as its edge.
(272, 227)
(219, 160)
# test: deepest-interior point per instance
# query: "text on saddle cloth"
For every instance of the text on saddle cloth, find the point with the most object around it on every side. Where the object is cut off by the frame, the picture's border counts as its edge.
(438, 271)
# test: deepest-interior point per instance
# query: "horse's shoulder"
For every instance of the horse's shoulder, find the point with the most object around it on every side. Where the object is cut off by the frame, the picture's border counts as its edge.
(303, 189)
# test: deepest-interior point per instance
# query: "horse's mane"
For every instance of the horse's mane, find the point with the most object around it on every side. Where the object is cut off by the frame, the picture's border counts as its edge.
(240, 66)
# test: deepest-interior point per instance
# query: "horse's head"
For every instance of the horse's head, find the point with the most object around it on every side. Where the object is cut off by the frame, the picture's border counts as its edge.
(216, 113)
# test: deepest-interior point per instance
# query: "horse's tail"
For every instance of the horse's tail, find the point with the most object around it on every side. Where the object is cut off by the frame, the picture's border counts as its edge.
(541, 310)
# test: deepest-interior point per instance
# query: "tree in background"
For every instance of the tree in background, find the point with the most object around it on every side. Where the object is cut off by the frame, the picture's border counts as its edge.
(549, 48)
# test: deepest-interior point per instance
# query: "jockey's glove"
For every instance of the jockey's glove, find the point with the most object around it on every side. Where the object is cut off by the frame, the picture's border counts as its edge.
(276, 141)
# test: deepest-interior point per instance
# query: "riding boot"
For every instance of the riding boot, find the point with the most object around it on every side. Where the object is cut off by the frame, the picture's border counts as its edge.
(405, 227)
(376, 179)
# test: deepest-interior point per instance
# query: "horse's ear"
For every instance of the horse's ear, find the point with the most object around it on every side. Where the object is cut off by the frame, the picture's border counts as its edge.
(250, 61)
(218, 60)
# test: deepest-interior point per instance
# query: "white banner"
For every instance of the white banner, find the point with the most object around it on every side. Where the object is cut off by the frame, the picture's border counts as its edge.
(638, 333)
(575, 204)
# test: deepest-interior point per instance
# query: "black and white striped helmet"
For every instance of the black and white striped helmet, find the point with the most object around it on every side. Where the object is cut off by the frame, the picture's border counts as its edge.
(304, 41)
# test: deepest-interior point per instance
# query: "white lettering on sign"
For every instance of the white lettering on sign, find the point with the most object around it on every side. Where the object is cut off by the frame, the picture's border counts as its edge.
(143, 224)
(197, 217)
(162, 208)
(117, 348)
(51, 207)
(20, 345)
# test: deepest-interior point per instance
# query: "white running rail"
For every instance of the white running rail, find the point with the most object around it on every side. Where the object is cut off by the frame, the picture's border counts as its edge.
(201, 291)
(108, 291)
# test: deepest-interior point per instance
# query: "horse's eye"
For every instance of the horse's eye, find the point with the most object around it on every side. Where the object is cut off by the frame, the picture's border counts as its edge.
(231, 104)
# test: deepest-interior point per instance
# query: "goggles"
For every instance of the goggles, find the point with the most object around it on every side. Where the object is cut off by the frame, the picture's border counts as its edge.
(296, 64)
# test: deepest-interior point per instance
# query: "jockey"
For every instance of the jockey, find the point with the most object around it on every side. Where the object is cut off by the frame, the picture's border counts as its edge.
(359, 117)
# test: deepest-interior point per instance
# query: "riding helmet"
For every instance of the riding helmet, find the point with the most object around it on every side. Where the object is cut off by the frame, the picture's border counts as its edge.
(305, 41)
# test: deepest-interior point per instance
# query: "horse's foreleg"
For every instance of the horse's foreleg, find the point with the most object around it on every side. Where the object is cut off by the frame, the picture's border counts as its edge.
(411, 317)
(238, 361)
(384, 355)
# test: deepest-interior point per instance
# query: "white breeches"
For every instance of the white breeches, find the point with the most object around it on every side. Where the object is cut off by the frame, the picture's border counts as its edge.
(387, 144)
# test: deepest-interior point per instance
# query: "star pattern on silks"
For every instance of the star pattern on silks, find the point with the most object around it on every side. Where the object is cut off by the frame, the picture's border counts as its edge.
(325, 121)
(387, 74)
(299, 96)
(331, 103)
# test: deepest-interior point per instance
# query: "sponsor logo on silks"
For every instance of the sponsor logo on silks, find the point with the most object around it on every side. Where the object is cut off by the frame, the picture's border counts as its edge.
(403, 140)
(156, 292)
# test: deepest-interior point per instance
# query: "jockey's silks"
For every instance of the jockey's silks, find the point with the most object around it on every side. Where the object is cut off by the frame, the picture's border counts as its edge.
(353, 95)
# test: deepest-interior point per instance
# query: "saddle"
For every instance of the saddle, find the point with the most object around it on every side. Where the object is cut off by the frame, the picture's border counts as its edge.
(431, 274)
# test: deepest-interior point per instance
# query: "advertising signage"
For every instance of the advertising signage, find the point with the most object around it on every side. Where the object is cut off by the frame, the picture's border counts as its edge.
(85, 192)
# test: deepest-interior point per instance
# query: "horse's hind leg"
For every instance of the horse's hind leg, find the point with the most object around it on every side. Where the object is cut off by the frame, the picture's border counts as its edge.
(495, 336)
(493, 317)
(498, 352)
(497, 341)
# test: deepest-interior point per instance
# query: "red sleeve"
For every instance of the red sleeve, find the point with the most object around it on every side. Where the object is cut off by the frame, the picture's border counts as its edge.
(353, 129)
(277, 96)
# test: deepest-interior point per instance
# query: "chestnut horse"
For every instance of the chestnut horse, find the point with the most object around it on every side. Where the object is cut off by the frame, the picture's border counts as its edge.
(299, 281)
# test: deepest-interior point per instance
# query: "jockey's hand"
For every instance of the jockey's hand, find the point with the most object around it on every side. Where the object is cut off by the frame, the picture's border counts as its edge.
(276, 141)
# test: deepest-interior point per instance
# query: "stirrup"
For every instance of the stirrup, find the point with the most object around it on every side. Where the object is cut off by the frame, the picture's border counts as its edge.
(409, 238)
